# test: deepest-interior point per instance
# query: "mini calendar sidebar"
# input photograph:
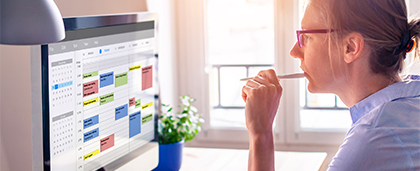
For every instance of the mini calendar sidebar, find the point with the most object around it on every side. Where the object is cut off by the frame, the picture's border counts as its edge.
(94, 95)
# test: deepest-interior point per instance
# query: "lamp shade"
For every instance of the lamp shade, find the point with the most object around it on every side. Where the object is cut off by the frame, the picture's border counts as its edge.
(29, 22)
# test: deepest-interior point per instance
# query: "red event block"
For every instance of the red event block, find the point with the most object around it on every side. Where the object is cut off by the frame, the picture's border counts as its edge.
(147, 77)
(90, 88)
(107, 142)
(132, 102)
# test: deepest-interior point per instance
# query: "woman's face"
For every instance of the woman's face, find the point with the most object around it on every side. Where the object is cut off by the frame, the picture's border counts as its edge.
(314, 54)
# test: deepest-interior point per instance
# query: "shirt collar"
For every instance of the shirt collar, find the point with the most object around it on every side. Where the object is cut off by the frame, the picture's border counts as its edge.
(407, 88)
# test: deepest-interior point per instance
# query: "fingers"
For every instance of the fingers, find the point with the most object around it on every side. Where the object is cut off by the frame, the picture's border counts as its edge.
(257, 81)
(244, 95)
(265, 78)
(272, 78)
(252, 84)
(270, 75)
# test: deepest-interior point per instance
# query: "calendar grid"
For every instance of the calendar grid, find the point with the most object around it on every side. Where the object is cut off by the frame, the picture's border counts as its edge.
(100, 93)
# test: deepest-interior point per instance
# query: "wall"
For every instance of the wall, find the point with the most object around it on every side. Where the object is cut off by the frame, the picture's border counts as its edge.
(15, 122)
(16, 104)
(96, 7)
(168, 67)
(3, 161)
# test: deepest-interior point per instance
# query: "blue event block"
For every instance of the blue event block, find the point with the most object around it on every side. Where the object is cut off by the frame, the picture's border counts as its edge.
(107, 79)
(135, 124)
(121, 111)
(90, 121)
(91, 134)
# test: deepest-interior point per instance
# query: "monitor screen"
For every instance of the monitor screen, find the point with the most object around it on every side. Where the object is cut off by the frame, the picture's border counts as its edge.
(99, 91)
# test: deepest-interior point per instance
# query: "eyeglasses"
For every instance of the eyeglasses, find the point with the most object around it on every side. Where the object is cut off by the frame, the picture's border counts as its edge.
(301, 32)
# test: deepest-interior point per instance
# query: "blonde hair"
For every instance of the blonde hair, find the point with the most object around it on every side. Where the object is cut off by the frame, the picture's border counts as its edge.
(382, 23)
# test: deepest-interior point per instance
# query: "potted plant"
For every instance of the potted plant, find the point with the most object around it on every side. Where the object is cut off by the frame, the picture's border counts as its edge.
(174, 130)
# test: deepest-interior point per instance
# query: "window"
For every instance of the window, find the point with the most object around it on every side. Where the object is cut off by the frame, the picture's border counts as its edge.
(322, 111)
(240, 37)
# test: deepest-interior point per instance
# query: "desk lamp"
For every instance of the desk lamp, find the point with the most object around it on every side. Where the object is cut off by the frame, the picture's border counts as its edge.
(30, 22)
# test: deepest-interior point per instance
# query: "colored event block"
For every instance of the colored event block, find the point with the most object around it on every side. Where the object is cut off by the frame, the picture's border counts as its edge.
(134, 67)
(92, 74)
(147, 105)
(147, 77)
(91, 134)
(107, 98)
(147, 118)
(91, 101)
(107, 142)
(91, 154)
(90, 121)
(90, 88)
(135, 124)
(121, 111)
(107, 79)
(138, 103)
(132, 101)
(121, 79)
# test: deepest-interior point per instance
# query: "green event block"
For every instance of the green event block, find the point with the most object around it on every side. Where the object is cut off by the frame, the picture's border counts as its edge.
(138, 103)
(107, 98)
(146, 118)
(92, 74)
(121, 79)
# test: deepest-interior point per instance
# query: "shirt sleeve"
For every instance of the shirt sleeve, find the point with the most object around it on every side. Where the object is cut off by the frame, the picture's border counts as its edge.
(367, 148)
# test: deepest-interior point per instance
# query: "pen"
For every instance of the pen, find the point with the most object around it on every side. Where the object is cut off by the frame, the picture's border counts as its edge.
(285, 76)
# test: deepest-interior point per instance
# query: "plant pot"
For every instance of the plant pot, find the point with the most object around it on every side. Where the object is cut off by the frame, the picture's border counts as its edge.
(170, 156)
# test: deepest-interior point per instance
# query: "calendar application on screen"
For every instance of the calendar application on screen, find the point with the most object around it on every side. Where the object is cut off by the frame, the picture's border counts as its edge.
(101, 96)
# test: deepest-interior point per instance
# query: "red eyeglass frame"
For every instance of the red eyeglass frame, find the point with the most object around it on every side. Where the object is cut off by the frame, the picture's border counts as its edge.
(300, 32)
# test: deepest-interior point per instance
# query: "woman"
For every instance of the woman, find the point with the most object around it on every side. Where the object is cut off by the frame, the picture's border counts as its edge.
(355, 49)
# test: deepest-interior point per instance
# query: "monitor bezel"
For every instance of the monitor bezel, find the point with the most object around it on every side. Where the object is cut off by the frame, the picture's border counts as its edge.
(89, 22)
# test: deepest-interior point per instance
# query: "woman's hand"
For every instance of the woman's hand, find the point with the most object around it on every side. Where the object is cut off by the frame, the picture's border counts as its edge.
(262, 96)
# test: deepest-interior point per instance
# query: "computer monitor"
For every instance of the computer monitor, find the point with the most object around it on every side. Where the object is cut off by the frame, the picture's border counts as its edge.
(98, 93)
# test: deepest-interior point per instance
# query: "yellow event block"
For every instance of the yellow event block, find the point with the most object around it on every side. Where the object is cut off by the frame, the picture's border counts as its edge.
(134, 67)
(91, 101)
(147, 105)
(92, 154)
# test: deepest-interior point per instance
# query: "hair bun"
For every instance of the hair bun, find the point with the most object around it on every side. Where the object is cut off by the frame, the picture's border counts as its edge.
(405, 43)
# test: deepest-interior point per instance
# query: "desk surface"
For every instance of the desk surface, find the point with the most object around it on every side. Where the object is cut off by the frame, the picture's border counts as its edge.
(209, 159)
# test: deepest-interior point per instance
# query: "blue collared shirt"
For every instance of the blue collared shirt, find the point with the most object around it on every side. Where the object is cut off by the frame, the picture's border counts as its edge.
(385, 134)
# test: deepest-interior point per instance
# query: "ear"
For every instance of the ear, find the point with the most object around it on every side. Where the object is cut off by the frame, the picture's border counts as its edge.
(353, 46)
